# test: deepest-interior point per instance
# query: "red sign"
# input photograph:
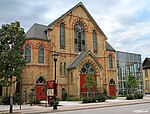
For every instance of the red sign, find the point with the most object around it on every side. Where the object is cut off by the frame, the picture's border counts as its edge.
(50, 84)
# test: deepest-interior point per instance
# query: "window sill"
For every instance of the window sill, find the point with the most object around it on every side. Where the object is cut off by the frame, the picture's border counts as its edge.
(112, 69)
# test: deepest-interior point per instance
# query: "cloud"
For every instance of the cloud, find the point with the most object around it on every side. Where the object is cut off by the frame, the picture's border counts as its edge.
(126, 23)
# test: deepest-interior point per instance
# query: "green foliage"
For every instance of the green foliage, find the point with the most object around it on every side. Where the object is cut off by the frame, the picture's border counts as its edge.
(112, 97)
(87, 100)
(129, 97)
(138, 96)
(51, 103)
(36, 101)
(72, 99)
(90, 82)
(11, 59)
(102, 97)
(132, 84)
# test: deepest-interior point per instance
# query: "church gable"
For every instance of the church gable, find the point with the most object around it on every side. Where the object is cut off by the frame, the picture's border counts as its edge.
(78, 12)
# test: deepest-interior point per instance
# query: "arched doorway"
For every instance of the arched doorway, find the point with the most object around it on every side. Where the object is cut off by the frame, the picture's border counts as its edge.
(64, 94)
(41, 88)
(112, 88)
(87, 68)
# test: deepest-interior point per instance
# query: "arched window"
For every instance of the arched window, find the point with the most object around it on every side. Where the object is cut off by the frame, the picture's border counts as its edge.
(110, 61)
(62, 36)
(27, 53)
(112, 81)
(41, 80)
(87, 69)
(41, 54)
(79, 37)
(95, 41)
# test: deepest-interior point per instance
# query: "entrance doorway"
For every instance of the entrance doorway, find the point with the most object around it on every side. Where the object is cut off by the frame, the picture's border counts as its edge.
(112, 88)
(87, 69)
(41, 88)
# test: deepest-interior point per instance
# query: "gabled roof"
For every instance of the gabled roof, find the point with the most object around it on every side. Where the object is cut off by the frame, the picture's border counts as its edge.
(109, 47)
(80, 57)
(146, 63)
(84, 8)
(37, 31)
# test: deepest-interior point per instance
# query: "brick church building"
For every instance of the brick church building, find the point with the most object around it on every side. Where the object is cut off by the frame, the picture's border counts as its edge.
(83, 49)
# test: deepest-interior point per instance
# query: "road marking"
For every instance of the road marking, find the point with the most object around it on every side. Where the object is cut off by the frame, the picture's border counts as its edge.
(140, 111)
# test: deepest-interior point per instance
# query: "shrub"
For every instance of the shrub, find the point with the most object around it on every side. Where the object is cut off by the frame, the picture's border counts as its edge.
(36, 101)
(86, 100)
(138, 96)
(102, 98)
(73, 99)
(112, 97)
(6, 100)
(51, 103)
(129, 97)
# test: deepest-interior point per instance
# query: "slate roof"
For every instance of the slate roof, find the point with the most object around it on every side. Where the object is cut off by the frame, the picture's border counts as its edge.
(84, 8)
(37, 31)
(109, 47)
(146, 63)
(80, 57)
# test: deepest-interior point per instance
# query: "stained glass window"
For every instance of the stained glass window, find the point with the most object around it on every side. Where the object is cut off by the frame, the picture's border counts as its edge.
(60, 68)
(62, 35)
(41, 54)
(27, 53)
(95, 41)
(87, 69)
(79, 37)
(110, 61)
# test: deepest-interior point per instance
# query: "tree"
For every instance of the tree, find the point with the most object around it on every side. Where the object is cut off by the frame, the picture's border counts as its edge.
(11, 59)
(90, 83)
(132, 84)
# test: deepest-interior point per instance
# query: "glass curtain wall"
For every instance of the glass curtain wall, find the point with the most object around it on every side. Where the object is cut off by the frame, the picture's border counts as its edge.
(128, 63)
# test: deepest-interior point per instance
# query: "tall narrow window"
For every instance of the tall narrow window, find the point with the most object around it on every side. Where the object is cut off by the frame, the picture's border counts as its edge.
(64, 68)
(146, 72)
(62, 36)
(95, 41)
(110, 61)
(60, 68)
(79, 37)
(27, 53)
(147, 84)
(41, 54)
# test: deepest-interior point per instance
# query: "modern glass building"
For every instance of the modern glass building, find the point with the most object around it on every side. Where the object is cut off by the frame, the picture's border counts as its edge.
(128, 63)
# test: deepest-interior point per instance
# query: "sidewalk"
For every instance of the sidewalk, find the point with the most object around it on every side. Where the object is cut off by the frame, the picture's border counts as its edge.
(71, 105)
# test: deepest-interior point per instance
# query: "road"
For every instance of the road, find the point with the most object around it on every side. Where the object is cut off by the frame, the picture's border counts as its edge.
(127, 109)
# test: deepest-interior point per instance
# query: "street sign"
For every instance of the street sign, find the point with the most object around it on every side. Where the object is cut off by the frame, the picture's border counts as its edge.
(50, 84)
(50, 92)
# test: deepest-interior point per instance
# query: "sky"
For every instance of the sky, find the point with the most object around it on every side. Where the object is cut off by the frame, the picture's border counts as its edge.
(126, 23)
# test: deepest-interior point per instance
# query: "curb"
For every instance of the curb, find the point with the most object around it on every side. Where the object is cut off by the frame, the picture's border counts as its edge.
(92, 107)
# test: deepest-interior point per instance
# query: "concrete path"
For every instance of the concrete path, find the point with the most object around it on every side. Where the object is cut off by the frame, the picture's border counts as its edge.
(71, 105)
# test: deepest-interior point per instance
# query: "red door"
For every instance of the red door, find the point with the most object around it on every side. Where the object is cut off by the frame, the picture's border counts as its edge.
(41, 92)
(82, 82)
(112, 90)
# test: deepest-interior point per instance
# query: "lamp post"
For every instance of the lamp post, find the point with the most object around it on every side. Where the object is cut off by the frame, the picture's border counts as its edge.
(55, 56)
(11, 91)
